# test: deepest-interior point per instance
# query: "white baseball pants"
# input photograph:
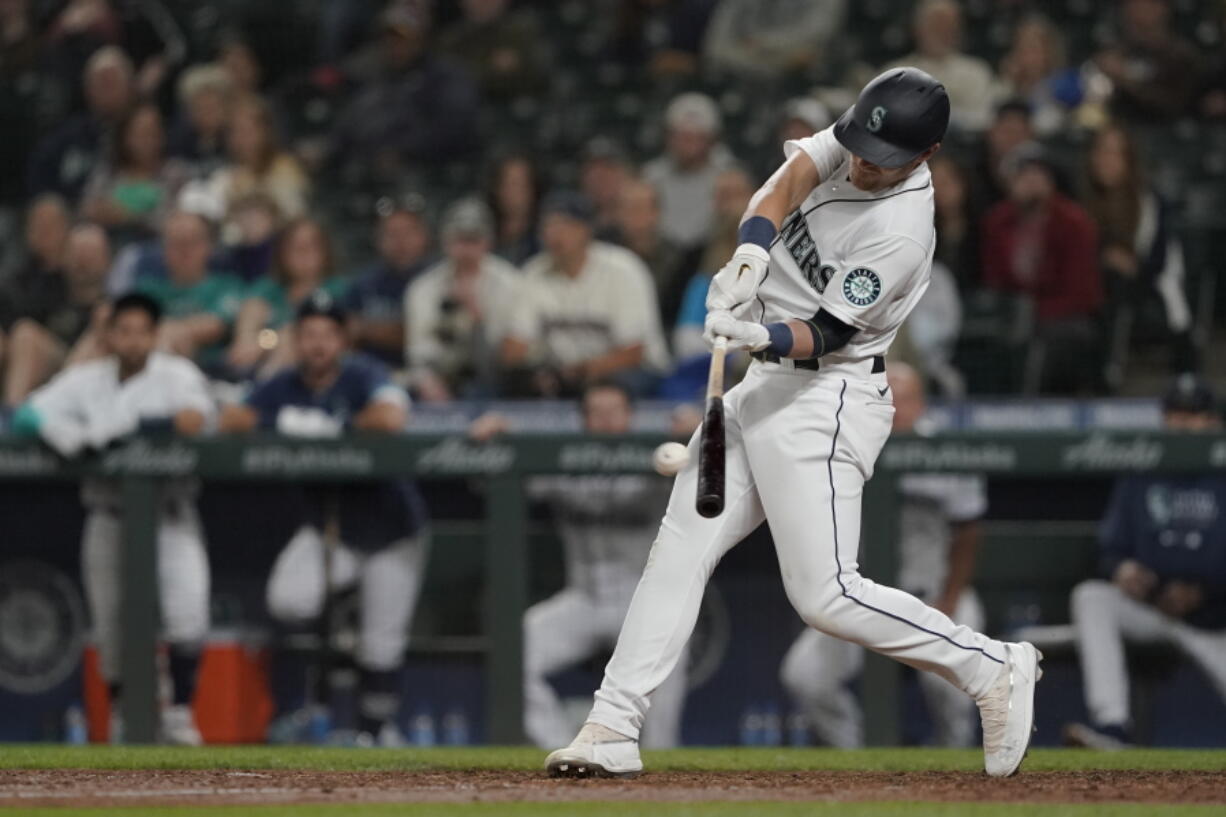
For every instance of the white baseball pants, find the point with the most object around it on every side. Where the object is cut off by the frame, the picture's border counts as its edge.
(570, 627)
(183, 580)
(1105, 618)
(818, 669)
(800, 445)
(389, 581)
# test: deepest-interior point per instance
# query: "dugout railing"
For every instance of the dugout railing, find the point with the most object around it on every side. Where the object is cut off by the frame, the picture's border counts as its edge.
(142, 464)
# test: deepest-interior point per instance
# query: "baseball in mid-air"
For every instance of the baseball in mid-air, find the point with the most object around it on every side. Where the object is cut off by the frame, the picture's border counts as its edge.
(670, 458)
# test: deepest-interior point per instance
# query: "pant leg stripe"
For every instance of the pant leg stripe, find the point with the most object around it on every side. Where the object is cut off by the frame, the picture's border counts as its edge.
(834, 519)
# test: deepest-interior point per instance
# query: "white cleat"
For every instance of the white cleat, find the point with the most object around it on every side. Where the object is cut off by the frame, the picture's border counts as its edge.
(597, 751)
(1007, 710)
(179, 727)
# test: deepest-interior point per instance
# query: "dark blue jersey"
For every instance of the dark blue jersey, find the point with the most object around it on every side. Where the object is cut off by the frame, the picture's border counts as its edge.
(371, 514)
(377, 295)
(1175, 526)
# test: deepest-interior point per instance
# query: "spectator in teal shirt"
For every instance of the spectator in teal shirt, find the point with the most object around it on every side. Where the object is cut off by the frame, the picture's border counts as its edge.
(303, 263)
(199, 305)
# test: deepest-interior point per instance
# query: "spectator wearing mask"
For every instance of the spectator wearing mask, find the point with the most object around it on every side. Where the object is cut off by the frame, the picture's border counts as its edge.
(376, 296)
(64, 160)
(586, 311)
(412, 108)
(198, 135)
(1036, 70)
(257, 163)
(456, 311)
(772, 38)
(638, 230)
(1043, 245)
(199, 304)
(1141, 255)
(513, 194)
(1155, 72)
(130, 193)
(685, 175)
(1163, 568)
(500, 49)
(937, 27)
(53, 330)
(303, 264)
(603, 173)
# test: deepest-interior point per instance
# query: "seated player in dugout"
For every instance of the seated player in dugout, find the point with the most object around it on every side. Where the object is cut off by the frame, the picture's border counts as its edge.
(91, 406)
(1163, 577)
(375, 532)
(607, 523)
(939, 535)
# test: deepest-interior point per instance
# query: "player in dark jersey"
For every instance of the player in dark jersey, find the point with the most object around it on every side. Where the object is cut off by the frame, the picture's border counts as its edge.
(379, 536)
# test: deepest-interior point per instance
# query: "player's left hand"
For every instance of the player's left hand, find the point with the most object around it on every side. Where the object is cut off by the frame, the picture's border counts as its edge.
(737, 281)
(740, 334)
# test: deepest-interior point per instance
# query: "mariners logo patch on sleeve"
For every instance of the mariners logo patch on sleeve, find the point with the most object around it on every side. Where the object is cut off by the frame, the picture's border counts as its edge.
(861, 286)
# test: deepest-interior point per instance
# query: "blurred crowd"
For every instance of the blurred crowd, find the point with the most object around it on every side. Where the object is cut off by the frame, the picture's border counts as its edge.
(520, 199)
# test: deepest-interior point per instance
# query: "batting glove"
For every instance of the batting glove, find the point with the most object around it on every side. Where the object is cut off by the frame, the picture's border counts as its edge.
(738, 281)
(740, 334)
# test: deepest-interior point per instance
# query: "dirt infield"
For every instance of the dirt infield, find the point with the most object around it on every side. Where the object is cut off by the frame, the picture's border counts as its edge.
(66, 787)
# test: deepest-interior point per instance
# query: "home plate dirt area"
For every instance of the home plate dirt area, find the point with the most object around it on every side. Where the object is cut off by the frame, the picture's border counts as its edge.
(149, 787)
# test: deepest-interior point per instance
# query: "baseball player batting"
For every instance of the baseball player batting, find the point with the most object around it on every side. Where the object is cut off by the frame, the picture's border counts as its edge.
(836, 249)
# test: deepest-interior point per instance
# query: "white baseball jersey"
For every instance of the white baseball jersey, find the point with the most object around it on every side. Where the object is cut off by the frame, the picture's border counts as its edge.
(931, 505)
(863, 257)
(87, 404)
(607, 525)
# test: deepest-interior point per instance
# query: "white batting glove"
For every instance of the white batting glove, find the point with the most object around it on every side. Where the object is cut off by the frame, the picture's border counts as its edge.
(737, 281)
(740, 334)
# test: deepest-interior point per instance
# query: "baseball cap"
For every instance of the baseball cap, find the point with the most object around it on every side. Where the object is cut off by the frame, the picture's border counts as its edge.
(693, 111)
(569, 203)
(468, 218)
(321, 304)
(899, 114)
(1190, 394)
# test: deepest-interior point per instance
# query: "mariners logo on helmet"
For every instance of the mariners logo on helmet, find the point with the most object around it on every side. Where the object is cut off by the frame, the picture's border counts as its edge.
(876, 119)
(861, 286)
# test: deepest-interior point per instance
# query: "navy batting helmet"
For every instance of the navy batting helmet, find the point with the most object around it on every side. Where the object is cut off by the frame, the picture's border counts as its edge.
(898, 116)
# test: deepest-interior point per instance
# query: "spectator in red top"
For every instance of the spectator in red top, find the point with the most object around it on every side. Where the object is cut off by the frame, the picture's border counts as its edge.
(1043, 245)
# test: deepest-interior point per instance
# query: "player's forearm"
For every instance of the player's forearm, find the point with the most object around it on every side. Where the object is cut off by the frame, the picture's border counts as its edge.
(785, 190)
(385, 417)
(807, 339)
(237, 419)
(963, 550)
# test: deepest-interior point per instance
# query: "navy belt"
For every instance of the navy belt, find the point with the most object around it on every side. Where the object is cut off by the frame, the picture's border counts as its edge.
(813, 364)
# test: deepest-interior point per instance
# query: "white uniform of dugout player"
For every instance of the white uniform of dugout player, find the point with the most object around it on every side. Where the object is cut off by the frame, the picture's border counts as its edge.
(938, 542)
(93, 405)
(607, 523)
(836, 249)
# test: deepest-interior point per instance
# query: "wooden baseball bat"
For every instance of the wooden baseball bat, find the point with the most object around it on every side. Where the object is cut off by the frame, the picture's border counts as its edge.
(710, 500)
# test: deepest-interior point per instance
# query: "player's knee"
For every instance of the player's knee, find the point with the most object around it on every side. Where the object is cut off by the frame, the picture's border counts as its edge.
(1091, 594)
(288, 604)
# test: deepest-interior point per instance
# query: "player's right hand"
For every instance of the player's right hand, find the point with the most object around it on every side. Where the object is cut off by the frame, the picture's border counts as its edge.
(1135, 579)
(738, 281)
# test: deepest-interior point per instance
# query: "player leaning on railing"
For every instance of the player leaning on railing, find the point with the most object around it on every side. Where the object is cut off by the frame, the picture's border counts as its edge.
(836, 249)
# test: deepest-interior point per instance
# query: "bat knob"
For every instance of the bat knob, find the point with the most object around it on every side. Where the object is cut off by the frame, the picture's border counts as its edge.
(710, 506)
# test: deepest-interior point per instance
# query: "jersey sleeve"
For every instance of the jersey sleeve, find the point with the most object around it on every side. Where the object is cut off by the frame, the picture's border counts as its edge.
(825, 151)
(872, 279)
(967, 499)
(193, 391)
(373, 384)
